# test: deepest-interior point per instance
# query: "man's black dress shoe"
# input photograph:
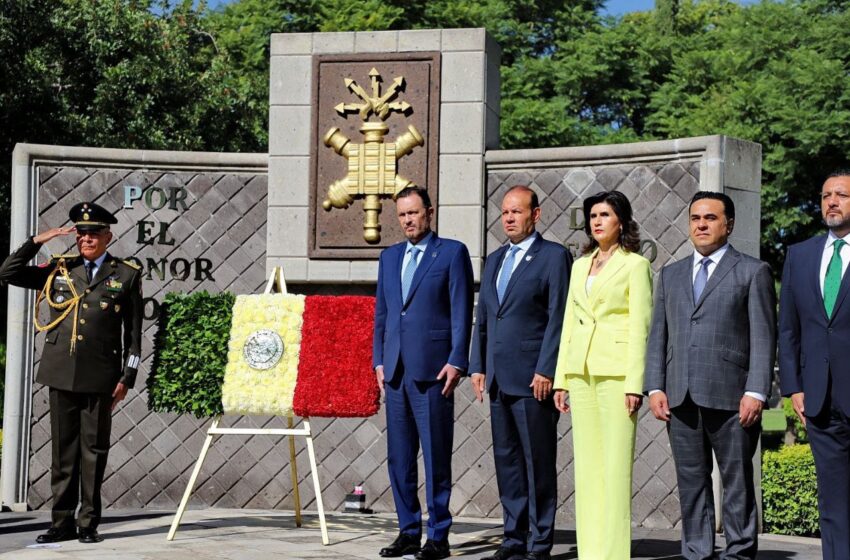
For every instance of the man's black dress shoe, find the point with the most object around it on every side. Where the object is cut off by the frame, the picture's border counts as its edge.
(57, 534)
(89, 536)
(537, 556)
(433, 550)
(404, 544)
(508, 554)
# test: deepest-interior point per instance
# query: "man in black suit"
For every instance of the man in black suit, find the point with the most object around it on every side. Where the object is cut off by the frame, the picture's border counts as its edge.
(514, 352)
(814, 331)
(93, 297)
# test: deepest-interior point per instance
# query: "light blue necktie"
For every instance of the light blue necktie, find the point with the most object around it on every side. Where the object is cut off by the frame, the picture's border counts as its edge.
(505, 274)
(701, 278)
(409, 271)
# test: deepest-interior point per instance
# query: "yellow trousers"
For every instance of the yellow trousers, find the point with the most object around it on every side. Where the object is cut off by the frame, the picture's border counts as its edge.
(603, 449)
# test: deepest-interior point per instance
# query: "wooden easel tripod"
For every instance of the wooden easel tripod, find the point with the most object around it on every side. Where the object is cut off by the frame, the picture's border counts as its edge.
(275, 284)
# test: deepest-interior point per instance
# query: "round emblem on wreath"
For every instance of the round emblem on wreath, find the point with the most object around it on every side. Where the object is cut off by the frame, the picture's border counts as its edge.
(263, 349)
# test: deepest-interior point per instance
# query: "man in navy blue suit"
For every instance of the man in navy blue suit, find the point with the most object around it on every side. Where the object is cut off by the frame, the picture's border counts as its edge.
(423, 318)
(814, 332)
(514, 351)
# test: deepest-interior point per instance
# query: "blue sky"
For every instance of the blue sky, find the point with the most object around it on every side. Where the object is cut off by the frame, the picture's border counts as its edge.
(617, 7)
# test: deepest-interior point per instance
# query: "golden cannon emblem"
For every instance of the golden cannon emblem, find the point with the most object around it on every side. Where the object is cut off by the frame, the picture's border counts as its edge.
(372, 165)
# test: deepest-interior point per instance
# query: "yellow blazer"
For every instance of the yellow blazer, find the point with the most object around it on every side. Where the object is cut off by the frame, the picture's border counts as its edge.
(605, 331)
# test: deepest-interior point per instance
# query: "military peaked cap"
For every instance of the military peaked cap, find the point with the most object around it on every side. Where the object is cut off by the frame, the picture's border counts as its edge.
(88, 216)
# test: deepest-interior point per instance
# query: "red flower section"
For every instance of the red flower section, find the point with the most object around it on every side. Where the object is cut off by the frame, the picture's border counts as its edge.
(335, 377)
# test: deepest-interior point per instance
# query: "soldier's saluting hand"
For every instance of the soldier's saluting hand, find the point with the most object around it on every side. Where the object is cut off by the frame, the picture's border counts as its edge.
(91, 354)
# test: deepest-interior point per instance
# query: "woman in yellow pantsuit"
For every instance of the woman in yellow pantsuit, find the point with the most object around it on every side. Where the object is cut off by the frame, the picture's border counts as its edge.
(600, 368)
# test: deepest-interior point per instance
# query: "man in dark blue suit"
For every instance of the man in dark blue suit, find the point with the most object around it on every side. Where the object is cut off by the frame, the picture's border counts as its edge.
(814, 332)
(514, 352)
(423, 318)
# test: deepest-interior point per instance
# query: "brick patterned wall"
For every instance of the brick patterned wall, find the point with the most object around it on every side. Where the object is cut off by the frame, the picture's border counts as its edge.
(225, 223)
(153, 454)
(659, 194)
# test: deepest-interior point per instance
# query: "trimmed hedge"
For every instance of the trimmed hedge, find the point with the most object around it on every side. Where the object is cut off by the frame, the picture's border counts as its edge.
(190, 353)
(790, 491)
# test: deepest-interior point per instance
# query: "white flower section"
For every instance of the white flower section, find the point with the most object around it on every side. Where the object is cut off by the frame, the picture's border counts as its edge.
(268, 391)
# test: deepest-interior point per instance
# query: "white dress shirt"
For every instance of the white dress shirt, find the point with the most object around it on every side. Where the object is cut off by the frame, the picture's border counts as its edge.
(523, 247)
(408, 254)
(828, 250)
(588, 284)
(715, 258)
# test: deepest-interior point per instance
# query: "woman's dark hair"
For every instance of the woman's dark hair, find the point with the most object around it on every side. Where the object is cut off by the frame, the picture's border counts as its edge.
(629, 231)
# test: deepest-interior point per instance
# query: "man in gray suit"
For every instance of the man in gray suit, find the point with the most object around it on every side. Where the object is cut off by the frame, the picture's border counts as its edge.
(709, 364)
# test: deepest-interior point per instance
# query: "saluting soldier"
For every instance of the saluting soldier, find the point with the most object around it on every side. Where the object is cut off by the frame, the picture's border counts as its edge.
(91, 353)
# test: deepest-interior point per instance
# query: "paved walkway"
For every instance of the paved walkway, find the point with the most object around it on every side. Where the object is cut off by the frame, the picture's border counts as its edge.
(228, 534)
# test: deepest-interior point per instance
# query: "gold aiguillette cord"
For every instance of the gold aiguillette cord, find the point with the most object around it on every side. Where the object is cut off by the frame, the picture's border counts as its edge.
(64, 308)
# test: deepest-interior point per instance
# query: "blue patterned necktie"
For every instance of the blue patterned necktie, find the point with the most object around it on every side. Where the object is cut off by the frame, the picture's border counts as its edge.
(409, 271)
(701, 279)
(505, 274)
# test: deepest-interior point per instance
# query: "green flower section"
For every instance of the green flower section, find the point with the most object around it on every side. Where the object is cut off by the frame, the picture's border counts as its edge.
(190, 353)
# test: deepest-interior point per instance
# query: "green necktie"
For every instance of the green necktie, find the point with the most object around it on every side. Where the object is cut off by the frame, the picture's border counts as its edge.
(832, 281)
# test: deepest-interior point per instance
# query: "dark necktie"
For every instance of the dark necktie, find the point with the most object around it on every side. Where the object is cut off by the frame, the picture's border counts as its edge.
(89, 270)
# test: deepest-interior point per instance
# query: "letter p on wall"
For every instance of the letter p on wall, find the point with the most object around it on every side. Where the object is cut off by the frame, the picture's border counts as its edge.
(131, 193)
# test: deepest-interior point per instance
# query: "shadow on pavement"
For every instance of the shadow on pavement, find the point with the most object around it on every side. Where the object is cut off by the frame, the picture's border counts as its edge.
(16, 519)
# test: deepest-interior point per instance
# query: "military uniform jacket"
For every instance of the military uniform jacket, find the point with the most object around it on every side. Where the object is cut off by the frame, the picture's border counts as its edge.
(107, 344)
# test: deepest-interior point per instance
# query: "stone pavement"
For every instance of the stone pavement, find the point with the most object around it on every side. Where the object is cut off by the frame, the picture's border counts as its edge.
(262, 534)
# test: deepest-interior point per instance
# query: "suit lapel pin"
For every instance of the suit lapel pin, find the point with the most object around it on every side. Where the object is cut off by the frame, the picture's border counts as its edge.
(528, 258)
(434, 255)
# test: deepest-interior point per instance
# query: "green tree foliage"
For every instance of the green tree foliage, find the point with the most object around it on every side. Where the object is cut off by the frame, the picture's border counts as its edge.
(122, 74)
(118, 73)
(167, 75)
(774, 73)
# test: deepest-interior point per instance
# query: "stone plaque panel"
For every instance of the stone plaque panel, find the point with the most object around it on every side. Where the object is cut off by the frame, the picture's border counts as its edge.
(339, 233)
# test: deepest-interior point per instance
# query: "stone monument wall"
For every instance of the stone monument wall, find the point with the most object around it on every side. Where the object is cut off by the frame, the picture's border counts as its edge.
(222, 221)
(659, 178)
(193, 222)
